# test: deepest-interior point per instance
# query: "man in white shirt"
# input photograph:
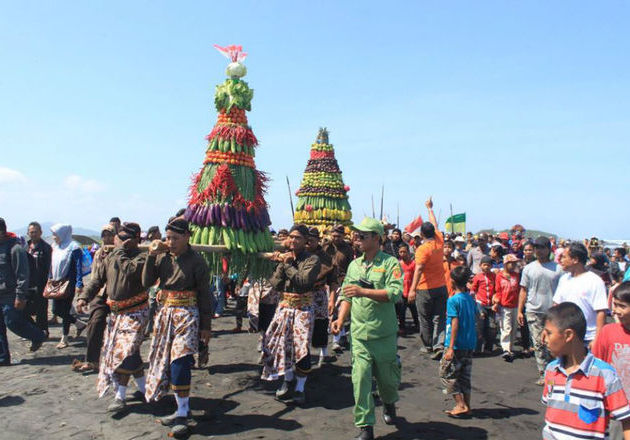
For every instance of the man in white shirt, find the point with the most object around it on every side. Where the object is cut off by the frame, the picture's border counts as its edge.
(583, 288)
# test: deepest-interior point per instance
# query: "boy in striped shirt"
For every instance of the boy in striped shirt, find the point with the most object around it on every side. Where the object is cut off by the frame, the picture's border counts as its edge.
(582, 393)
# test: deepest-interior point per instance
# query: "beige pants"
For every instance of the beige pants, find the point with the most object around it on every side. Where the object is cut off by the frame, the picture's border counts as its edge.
(507, 324)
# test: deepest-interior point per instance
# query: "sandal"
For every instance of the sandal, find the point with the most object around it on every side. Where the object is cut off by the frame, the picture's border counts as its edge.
(76, 365)
(62, 344)
(87, 366)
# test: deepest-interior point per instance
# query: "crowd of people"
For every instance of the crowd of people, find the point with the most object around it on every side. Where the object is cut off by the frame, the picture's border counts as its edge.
(567, 304)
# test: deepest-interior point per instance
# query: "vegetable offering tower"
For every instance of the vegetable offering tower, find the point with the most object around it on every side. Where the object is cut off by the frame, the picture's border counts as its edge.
(227, 205)
(322, 197)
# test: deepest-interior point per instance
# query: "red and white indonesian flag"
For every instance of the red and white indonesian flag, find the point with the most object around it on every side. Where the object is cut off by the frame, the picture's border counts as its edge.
(413, 228)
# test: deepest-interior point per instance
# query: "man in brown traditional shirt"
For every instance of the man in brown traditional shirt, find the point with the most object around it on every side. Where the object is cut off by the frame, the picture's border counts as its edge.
(183, 318)
(326, 281)
(288, 338)
(98, 308)
(342, 254)
(121, 275)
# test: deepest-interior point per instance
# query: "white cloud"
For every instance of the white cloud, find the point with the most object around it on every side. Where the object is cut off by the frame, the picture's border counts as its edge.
(7, 175)
(78, 183)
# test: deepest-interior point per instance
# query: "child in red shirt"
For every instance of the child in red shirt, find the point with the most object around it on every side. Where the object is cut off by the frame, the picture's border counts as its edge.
(507, 288)
(612, 345)
(408, 265)
(483, 288)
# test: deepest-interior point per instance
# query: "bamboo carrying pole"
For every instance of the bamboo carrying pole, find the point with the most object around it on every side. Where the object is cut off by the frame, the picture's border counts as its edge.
(216, 249)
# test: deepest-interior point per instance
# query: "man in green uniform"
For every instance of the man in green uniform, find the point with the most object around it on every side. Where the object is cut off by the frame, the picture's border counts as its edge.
(372, 286)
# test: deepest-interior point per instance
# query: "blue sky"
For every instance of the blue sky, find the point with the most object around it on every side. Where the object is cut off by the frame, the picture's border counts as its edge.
(513, 112)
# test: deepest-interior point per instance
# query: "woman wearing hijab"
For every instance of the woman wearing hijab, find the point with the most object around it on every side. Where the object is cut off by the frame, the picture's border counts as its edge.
(66, 265)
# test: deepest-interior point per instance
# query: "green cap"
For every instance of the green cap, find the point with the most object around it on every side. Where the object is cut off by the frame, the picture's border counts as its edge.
(369, 224)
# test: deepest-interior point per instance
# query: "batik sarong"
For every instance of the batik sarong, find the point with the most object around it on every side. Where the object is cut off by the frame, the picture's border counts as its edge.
(123, 337)
(288, 338)
(175, 335)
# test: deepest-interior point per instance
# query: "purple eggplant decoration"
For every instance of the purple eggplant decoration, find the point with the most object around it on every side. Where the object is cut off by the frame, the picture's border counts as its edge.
(240, 215)
(237, 219)
(258, 221)
(225, 216)
(251, 219)
(216, 213)
(193, 219)
(245, 220)
(201, 218)
(209, 221)
(255, 221)
(232, 216)
(188, 213)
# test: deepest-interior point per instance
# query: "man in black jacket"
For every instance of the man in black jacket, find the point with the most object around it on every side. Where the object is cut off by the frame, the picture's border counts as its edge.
(41, 252)
(14, 277)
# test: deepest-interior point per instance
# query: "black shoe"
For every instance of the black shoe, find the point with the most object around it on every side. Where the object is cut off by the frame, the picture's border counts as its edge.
(437, 354)
(116, 406)
(174, 419)
(389, 413)
(138, 396)
(179, 428)
(35, 346)
(508, 357)
(367, 433)
(284, 392)
(337, 348)
(425, 350)
(299, 398)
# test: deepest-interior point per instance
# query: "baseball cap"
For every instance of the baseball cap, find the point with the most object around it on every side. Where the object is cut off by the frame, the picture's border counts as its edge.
(369, 224)
(459, 239)
(510, 258)
(542, 241)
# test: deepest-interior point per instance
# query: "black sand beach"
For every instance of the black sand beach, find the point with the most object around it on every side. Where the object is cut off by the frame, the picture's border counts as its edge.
(42, 398)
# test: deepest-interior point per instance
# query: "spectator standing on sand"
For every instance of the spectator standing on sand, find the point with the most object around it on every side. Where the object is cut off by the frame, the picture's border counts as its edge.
(428, 288)
(67, 265)
(408, 266)
(477, 253)
(14, 277)
(461, 340)
(42, 255)
(583, 288)
(483, 287)
(539, 281)
(506, 297)
(98, 308)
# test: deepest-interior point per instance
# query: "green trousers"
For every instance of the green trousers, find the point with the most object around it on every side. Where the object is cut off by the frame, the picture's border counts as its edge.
(374, 358)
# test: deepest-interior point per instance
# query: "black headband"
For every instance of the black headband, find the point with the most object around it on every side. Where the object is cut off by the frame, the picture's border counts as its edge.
(303, 230)
(178, 225)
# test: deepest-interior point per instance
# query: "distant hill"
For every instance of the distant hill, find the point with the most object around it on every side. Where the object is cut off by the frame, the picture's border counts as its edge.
(46, 230)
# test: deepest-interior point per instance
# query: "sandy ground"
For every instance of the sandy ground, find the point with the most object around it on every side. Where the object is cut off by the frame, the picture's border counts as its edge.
(40, 397)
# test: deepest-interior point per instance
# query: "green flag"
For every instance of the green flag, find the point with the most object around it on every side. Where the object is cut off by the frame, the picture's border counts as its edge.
(456, 223)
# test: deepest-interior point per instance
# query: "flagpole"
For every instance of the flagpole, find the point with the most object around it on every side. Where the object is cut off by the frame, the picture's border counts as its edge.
(382, 196)
(373, 213)
(290, 198)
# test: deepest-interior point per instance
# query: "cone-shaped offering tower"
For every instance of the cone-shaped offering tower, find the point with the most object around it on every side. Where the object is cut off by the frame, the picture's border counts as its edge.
(227, 205)
(322, 197)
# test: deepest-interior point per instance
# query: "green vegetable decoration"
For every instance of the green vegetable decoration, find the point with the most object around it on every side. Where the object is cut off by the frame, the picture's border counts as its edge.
(323, 197)
(227, 204)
